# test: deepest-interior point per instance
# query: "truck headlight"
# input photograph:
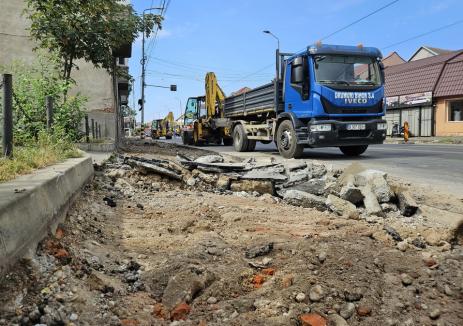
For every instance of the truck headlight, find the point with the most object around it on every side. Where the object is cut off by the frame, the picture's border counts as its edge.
(325, 127)
(382, 126)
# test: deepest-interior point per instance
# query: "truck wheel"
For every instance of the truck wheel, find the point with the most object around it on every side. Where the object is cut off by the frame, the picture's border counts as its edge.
(240, 139)
(353, 150)
(287, 141)
(251, 145)
(228, 141)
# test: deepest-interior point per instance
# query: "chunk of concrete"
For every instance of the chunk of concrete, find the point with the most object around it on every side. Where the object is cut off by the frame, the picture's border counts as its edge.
(304, 199)
(407, 203)
(261, 186)
(293, 165)
(351, 194)
(342, 207)
(371, 203)
(381, 189)
(365, 177)
(210, 159)
(317, 170)
(185, 286)
(223, 183)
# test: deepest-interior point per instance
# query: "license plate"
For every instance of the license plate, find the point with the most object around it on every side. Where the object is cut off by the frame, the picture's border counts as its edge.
(356, 126)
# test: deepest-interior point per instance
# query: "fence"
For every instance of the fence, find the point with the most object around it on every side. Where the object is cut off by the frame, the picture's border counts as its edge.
(6, 108)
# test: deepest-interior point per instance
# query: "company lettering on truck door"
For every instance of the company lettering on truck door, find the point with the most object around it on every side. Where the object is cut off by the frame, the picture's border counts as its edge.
(354, 97)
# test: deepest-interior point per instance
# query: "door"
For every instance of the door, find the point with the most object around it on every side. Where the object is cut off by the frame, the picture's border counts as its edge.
(426, 121)
(297, 87)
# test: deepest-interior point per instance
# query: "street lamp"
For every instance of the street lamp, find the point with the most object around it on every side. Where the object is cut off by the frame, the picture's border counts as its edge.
(275, 37)
(143, 68)
(277, 55)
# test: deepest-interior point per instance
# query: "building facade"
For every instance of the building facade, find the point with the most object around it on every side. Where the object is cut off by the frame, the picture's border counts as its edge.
(97, 85)
(428, 94)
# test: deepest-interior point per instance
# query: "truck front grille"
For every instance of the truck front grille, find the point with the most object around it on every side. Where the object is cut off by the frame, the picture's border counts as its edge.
(353, 133)
(330, 108)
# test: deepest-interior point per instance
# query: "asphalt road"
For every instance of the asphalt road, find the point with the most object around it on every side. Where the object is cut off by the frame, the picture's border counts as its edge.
(437, 166)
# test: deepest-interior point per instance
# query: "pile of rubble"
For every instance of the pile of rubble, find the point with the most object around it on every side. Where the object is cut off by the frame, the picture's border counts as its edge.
(353, 193)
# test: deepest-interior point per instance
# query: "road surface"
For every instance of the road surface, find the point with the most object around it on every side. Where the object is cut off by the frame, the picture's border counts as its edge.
(435, 165)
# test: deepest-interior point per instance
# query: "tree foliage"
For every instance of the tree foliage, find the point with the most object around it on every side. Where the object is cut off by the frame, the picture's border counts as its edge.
(89, 30)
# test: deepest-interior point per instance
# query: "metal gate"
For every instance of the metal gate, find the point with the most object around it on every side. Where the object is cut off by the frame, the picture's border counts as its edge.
(426, 121)
(392, 118)
(419, 120)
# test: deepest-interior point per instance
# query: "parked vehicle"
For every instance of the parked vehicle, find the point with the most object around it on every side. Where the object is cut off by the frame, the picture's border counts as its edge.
(319, 98)
(163, 127)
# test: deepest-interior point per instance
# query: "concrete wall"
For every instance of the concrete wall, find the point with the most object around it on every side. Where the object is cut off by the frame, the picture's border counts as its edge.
(443, 126)
(95, 84)
(27, 217)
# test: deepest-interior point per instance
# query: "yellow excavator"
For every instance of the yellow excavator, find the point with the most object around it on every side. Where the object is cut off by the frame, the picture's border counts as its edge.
(163, 127)
(204, 121)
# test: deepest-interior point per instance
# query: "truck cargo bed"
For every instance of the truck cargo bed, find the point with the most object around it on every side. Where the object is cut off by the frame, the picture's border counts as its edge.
(256, 101)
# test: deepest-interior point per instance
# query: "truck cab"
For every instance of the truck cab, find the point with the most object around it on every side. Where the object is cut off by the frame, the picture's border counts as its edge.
(333, 96)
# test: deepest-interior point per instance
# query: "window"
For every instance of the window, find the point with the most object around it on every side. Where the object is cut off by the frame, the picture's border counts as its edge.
(191, 111)
(455, 110)
(347, 70)
(122, 61)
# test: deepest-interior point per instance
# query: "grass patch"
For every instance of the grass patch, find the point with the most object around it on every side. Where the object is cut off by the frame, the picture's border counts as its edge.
(46, 151)
(450, 140)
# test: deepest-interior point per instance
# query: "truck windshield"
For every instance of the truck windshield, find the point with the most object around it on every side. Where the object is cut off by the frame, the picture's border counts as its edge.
(347, 70)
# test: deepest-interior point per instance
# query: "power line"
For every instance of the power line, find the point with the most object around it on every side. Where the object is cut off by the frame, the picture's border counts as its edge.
(360, 19)
(423, 34)
(251, 74)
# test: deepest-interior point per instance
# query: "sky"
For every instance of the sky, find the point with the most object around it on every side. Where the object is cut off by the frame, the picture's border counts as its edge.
(226, 37)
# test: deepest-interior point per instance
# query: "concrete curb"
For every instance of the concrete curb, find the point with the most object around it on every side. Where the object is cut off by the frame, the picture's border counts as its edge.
(97, 147)
(31, 205)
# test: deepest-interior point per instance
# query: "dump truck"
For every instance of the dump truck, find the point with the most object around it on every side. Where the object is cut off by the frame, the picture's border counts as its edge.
(323, 96)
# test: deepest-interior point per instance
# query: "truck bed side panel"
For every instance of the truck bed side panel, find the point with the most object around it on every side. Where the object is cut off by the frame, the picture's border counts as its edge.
(256, 101)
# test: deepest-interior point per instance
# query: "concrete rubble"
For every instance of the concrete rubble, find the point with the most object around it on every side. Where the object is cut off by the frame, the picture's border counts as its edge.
(188, 238)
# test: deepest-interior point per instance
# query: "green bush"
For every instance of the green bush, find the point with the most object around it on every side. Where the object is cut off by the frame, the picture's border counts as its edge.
(31, 85)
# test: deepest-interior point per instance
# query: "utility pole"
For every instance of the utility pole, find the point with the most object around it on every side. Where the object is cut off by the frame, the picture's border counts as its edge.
(143, 69)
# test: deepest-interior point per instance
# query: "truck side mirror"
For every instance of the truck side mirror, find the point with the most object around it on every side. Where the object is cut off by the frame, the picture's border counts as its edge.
(297, 71)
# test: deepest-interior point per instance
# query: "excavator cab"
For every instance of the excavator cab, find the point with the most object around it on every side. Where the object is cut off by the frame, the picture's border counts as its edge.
(192, 114)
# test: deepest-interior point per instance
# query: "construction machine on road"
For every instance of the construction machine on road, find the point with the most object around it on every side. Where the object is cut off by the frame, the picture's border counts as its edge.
(163, 127)
(204, 121)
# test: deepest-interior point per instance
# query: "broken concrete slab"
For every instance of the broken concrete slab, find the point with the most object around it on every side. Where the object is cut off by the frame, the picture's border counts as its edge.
(296, 178)
(407, 203)
(351, 194)
(262, 186)
(210, 159)
(149, 167)
(347, 176)
(381, 188)
(223, 183)
(264, 175)
(304, 199)
(313, 186)
(293, 165)
(342, 207)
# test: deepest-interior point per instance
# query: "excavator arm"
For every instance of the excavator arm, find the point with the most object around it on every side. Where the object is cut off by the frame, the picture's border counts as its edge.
(214, 95)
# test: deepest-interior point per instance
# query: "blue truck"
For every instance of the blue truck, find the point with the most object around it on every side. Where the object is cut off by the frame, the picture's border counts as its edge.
(324, 96)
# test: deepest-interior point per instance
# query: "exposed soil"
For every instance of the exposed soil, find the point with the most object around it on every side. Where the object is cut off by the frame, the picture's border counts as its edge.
(142, 250)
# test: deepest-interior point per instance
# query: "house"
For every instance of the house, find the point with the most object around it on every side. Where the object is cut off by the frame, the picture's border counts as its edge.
(102, 90)
(428, 93)
(426, 52)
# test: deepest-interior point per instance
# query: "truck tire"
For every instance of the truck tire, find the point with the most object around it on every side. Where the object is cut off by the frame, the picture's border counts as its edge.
(228, 141)
(186, 139)
(353, 150)
(287, 141)
(251, 145)
(240, 139)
